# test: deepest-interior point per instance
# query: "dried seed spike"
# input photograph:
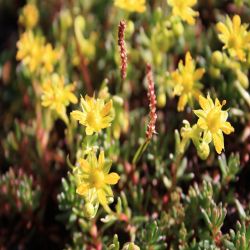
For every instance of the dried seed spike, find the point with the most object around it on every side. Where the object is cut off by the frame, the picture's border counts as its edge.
(122, 46)
(152, 103)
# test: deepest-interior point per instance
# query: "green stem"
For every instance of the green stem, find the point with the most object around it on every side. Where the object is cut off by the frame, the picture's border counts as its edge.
(243, 92)
(140, 151)
(176, 165)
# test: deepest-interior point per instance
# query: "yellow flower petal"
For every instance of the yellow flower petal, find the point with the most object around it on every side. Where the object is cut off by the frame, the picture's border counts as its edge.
(227, 128)
(102, 197)
(207, 137)
(72, 98)
(78, 115)
(105, 111)
(188, 58)
(182, 102)
(204, 103)
(218, 141)
(221, 27)
(133, 6)
(200, 113)
(101, 159)
(82, 189)
(84, 165)
(191, 2)
(112, 178)
(198, 74)
(202, 124)
(236, 21)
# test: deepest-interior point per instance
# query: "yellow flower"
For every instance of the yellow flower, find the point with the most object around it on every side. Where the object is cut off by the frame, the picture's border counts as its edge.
(186, 80)
(35, 54)
(29, 50)
(58, 96)
(183, 9)
(235, 37)
(49, 58)
(131, 5)
(213, 121)
(29, 16)
(93, 176)
(95, 115)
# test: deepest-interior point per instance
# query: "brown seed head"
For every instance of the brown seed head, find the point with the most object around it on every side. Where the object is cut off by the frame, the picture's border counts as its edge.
(122, 46)
(152, 103)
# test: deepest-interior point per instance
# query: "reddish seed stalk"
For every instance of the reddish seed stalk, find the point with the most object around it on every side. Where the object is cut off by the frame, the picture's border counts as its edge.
(152, 103)
(122, 46)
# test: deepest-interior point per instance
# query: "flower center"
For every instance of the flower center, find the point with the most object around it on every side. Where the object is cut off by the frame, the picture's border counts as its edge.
(233, 42)
(97, 178)
(188, 82)
(93, 119)
(58, 96)
(213, 120)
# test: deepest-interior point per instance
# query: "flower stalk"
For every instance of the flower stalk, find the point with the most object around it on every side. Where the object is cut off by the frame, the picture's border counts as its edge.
(152, 114)
(122, 46)
(152, 104)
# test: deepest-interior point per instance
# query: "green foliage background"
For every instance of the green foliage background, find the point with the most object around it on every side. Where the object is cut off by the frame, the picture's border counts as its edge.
(162, 201)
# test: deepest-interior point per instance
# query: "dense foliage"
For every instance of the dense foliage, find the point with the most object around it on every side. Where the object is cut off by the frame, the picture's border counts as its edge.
(125, 124)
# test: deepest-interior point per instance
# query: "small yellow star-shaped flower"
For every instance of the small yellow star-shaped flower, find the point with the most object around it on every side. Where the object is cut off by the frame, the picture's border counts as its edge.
(93, 176)
(235, 37)
(186, 79)
(131, 5)
(183, 9)
(213, 121)
(95, 114)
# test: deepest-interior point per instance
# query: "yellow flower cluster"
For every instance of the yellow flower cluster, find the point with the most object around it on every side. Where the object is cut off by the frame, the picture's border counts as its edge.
(131, 5)
(235, 37)
(213, 121)
(57, 96)
(92, 175)
(29, 16)
(211, 125)
(94, 180)
(95, 114)
(186, 81)
(35, 54)
(183, 9)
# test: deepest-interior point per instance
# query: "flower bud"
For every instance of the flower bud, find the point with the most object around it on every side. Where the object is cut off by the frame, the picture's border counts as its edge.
(203, 150)
(29, 16)
(130, 28)
(178, 28)
(65, 19)
(161, 100)
(104, 93)
(89, 210)
(215, 72)
(130, 246)
(217, 58)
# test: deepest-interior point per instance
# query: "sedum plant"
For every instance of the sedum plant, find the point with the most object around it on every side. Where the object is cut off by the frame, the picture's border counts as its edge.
(125, 125)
